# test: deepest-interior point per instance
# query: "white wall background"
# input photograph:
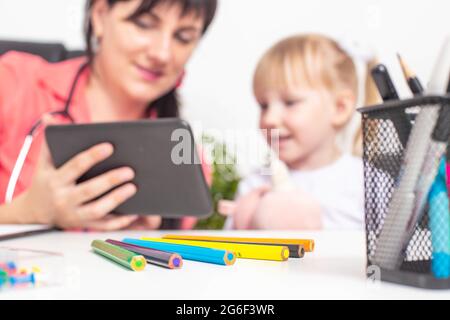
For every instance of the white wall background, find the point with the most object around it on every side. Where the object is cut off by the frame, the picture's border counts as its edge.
(217, 90)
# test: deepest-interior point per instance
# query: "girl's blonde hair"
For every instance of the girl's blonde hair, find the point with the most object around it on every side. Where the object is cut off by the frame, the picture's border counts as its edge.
(317, 61)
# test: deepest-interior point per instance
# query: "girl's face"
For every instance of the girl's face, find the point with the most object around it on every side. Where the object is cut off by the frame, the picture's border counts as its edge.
(143, 59)
(302, 118)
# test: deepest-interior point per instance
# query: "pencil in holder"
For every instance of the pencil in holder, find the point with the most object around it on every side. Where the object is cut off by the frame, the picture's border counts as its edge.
(406, 195)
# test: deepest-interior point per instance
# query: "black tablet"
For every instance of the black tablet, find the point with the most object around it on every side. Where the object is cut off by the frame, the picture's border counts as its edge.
(162, 152)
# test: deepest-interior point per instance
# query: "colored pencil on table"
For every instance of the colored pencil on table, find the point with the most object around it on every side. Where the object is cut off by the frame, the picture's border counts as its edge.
(195, 253)
(160, 258)
(295, 250)
(244, 251)
(307, 244)
(119, 255)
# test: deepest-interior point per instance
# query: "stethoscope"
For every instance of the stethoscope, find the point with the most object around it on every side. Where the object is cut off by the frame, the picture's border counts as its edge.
(65, 112)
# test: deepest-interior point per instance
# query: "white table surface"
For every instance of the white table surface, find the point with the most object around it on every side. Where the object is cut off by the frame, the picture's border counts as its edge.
(335, 270)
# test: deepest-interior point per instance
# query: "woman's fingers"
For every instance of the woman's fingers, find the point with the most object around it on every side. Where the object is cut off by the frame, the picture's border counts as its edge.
(111, 223)
(106, 204)
(97, 186)
(82, 162)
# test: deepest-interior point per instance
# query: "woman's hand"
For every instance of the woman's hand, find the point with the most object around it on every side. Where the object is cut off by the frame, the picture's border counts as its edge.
(146, 223)
(54, 197)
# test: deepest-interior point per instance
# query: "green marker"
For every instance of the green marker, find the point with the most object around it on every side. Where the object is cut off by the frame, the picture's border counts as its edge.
(119, 255)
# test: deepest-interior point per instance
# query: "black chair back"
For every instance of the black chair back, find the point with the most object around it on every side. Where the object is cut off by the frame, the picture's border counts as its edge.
(52, 52)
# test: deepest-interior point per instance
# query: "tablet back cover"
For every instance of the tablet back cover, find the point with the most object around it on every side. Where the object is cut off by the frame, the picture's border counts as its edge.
(162, 152)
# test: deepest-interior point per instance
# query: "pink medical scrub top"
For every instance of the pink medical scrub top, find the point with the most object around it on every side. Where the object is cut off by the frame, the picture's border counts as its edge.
(29, 88)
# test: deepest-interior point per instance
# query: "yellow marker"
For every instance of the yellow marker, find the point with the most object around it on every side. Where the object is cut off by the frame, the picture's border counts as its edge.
(307, 244)
(244, 251)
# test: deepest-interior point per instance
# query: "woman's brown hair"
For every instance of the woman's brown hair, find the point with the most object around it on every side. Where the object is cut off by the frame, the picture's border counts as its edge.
(166, 106)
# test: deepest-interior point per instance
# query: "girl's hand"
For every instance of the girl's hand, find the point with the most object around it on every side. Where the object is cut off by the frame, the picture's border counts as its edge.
(287, 210)
(54, 198)
(244, 208)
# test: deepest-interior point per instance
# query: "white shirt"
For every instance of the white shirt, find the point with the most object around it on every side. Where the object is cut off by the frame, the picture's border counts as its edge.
(339, 188)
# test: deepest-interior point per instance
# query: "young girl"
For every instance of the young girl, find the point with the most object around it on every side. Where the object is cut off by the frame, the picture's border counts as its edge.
(307, 87)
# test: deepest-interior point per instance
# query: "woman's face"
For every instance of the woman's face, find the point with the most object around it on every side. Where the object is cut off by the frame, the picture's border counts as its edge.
(143, 59)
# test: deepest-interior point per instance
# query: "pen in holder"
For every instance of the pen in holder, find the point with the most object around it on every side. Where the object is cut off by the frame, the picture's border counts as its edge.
(406, 198)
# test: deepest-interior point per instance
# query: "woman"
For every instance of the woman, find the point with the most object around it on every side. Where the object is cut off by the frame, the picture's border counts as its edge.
(137, 50)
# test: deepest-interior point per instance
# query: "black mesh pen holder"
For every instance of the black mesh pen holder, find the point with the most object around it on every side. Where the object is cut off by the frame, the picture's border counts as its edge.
(386, 132)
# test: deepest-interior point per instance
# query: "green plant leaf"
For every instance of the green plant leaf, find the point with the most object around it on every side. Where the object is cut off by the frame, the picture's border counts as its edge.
(225, 181)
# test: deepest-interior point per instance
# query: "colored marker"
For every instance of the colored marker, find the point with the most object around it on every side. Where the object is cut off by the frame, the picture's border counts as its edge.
(439, 224)
(195, 253)
(156, 257)
(119, 255)
(243, 251)
(297, 247)
(384, 83)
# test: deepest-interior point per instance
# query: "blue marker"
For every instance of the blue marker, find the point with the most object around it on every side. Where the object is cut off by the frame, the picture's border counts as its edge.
(201, 254)
(439, 224)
